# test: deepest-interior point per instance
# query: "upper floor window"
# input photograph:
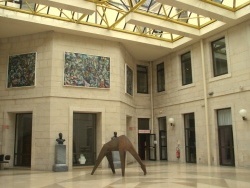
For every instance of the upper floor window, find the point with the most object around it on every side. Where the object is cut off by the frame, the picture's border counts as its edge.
(219, 57)
(224, 117)
(160, 77)
(129, 80)
(186, 68)
(143, 124)
(142, 79)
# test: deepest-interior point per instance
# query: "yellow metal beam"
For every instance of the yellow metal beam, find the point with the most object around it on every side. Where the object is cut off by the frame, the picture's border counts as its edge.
(124, 15)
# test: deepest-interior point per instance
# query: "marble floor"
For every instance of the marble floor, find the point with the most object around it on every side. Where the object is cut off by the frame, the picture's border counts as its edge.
(159, 174)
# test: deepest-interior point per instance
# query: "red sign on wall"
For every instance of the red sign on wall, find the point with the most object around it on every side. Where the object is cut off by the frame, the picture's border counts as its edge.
(5, 126)
(144, 131)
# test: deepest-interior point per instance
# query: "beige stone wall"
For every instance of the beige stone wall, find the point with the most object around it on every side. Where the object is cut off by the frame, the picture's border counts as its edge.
(33, 100)
(53, 104)
(231, 90)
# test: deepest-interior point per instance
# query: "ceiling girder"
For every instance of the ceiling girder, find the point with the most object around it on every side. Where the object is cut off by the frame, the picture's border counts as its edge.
(73, 5)
(163, 25)
(202, 8)
(132, 16)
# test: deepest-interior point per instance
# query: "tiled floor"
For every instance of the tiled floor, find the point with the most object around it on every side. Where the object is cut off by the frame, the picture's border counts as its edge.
(159, 174)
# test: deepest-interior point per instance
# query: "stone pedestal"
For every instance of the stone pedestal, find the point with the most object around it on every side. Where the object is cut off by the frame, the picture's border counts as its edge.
(116, 159)
(60, 159)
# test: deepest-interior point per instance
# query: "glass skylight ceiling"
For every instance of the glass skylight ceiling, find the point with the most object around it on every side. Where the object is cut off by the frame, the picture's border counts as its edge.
(111, 15)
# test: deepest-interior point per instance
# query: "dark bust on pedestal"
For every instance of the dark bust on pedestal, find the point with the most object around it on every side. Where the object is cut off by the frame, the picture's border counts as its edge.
(60, 140)
(60, 155)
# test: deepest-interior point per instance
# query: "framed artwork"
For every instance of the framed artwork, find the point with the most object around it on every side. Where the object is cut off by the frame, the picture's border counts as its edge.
(86, 70)
(129, 80)
(21, 70)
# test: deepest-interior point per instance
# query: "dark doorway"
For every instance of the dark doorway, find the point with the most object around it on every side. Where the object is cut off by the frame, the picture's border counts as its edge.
(143, 143)
(225, 136)
(147, 149)
(23, 136)
(163, 138)
(84, 139)
(163, 145)
(152, 147)
(226, 146)
(146, 141)
(190, 145)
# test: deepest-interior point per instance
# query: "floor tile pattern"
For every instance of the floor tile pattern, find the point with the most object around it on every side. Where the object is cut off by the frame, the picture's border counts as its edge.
(159, 174)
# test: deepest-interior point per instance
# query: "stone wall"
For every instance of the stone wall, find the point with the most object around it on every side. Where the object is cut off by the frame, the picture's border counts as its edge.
(229, 91)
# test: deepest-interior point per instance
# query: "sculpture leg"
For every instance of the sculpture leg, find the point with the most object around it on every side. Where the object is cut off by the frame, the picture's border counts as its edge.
(99, 159)
(136, 156)
(110, 160)
(122, 158)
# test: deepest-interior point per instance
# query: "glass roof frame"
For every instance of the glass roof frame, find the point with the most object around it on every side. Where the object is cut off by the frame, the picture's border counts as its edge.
(111, 15)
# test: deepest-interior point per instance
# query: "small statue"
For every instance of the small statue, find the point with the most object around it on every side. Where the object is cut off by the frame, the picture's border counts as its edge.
(60, 140)
(115, 136)
(82, 159)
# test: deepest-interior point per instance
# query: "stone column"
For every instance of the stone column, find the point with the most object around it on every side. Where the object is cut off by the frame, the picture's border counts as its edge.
(60, 159)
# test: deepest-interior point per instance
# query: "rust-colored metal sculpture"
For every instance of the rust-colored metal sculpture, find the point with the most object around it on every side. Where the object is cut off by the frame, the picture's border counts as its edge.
(121, 144)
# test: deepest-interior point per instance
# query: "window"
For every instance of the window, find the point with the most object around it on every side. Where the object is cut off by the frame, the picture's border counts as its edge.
(219, 57)
(190, 143)
(142, 79)
(163, 138)
(84, 138)
(23, 140)
(129, 80)
(218, 1)
(143, 123)
(225, 136)
(160, 77)
(224, 117)
(182, 15)
(186, 69)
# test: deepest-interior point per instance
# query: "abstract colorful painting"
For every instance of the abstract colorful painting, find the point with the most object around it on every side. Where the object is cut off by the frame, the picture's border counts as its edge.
(21, 70)
(129, 80)
(86, 70)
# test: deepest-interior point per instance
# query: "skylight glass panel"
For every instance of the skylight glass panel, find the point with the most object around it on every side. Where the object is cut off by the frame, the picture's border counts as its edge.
(111, 14)
(147, 4)
(241, 2)
(122, 5)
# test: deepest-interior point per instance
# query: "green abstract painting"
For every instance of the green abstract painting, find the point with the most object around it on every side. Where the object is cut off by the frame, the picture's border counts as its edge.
(86, 70)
